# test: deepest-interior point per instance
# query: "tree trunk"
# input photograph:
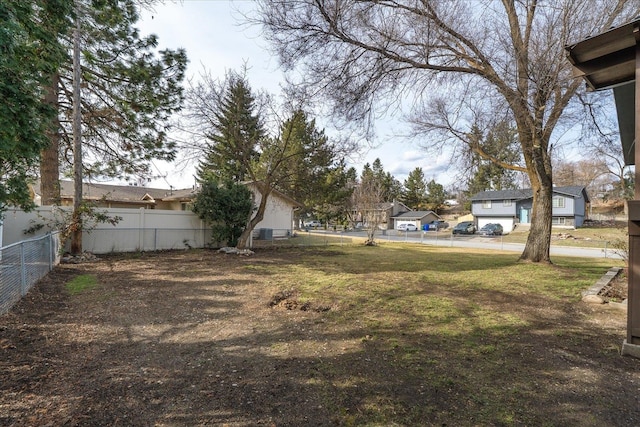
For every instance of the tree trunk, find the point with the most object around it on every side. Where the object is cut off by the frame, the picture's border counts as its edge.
(49, 161)
(76, 235)
(540, 174)
(265, 191)
(539, 240)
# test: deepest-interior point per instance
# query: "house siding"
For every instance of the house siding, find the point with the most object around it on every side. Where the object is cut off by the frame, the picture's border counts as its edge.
(497, 208)
(580, 211)
(573, 210)
(278, 215)
(569, 206)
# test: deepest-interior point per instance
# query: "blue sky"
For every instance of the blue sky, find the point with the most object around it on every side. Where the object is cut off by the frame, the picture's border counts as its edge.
(216, 41)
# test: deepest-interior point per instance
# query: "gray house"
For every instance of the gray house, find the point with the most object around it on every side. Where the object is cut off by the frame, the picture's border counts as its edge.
(510, 207)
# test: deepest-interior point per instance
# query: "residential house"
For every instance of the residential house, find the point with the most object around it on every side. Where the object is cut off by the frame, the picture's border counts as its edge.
(278, 216)
(511, 207)
(122, 196)
(418, 218)
(383, 213)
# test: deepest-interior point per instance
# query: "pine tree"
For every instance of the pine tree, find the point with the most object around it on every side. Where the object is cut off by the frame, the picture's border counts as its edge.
(391, 187)
(236, 132)
(29, 52)
(311, 171)
(129, 94)
(499, 147)
(436, 196)
(415, 190)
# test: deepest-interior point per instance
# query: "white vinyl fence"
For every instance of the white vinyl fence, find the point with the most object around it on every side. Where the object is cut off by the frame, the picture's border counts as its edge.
(138, 229)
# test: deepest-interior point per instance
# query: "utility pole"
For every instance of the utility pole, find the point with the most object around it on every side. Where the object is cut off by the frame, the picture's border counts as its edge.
(76, 233)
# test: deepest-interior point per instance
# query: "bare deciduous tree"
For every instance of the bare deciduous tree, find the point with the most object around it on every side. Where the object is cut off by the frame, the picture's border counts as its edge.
(589, 173)
(601, 137)
(367, 200)
(452, 63)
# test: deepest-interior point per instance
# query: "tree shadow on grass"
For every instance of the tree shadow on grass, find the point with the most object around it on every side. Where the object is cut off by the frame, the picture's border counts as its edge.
(178, 349)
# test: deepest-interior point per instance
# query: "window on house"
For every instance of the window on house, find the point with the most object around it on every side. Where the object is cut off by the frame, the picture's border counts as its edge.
(558, 220)
(486, 204)
(558, 202)
(506, 203)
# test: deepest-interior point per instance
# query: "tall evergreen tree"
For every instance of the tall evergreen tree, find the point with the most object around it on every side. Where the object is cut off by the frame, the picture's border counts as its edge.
(238, 148)
(129, 94)
(436, 196)
(367, 172)
(311, 172)
(415, 190)
(489, 157)
(234, 136)
(29, 53)
(391, 188)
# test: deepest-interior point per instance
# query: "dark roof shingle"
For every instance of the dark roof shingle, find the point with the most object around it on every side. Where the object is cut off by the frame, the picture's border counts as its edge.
(527, 193)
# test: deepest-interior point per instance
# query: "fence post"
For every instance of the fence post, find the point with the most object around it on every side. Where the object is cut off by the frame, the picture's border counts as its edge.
(50, 250)
(141, 220)
(23, 272)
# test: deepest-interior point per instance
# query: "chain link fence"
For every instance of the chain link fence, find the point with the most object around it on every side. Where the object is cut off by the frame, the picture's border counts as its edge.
(22, 264)
(266, 237)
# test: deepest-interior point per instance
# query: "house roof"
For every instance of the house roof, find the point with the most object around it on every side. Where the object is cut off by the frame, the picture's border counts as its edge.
(527, 193)
(136, 194)
(117, 193)
(415, 215)
(573, 191)
(608, 60)
(277, 193)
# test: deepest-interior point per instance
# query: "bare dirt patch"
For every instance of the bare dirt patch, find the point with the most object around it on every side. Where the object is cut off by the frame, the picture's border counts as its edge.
(617, 290)
(201, 338)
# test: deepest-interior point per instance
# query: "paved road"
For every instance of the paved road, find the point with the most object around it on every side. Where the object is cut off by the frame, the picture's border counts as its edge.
(475, 241)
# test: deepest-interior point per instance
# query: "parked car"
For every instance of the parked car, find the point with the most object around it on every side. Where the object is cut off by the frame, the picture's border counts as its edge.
(438, 225)
(491, 230)
(464, 227)
(407, 227)
(312, 223)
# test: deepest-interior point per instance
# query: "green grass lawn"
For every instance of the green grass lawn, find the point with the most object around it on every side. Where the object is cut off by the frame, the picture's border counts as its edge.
(397, 334)
(462, 326)
(604, 237)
